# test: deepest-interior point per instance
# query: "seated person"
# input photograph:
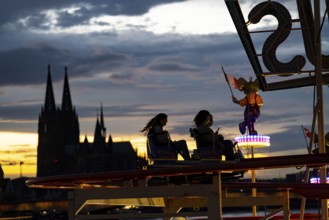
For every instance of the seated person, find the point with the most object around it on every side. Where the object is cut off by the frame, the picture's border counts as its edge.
(162, 137)
(207, 137)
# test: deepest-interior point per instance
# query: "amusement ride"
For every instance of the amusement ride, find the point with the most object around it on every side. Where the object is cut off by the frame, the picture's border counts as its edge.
(197, 187)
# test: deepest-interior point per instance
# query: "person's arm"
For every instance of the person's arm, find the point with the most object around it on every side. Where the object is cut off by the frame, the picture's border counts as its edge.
(162, 136)
(205, 130)
(206, 134)
(235, 100)
(241, 102)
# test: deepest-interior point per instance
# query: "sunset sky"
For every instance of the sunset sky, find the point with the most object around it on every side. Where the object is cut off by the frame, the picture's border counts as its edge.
(137, 58)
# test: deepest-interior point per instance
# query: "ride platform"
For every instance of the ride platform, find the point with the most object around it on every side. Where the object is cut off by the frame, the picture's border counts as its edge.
(138, 188)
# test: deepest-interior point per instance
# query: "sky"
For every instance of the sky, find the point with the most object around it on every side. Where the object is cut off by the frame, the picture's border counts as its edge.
(138, 58)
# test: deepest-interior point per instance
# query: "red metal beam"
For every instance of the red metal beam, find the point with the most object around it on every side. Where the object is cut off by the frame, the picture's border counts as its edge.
(69, 181)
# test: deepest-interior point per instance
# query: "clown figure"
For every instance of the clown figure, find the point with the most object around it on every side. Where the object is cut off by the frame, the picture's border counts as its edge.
(252, 102)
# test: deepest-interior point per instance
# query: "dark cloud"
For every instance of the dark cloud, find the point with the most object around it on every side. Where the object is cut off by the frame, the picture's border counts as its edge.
(290, 138)
(122, 78)
(24, 117)
(171, 67)
(28, 65)
(124, 110)
(20, 112)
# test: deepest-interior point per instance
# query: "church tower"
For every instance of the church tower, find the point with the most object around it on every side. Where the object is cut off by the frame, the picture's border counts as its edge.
(58, 131)
(100, 154)
(70, 128)
(49, 144)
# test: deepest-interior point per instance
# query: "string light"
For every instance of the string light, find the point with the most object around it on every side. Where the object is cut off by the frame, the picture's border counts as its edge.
(253, 140)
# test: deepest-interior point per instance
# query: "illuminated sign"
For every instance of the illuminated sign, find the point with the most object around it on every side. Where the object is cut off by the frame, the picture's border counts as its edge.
(275, 39)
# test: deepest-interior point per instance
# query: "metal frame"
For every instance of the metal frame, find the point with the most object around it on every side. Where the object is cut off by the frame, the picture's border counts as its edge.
(134, 187)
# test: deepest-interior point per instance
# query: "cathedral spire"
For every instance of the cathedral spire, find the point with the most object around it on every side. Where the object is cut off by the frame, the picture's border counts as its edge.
(98, 133)
(50, 99)
(102, 124)
(66, 101)
(100, 130)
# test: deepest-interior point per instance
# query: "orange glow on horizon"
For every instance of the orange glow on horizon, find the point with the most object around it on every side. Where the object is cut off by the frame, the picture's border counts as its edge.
(18, 153)
(19, 147)
(22, 147)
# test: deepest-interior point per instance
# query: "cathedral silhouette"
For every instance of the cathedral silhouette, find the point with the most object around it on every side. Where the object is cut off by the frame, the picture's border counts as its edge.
(59, 149)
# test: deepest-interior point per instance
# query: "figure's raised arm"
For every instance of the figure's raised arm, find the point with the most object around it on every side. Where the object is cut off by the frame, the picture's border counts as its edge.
(235, 100)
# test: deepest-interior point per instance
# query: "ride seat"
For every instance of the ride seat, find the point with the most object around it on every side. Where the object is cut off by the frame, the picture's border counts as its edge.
(206, 151)
(156, 151)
